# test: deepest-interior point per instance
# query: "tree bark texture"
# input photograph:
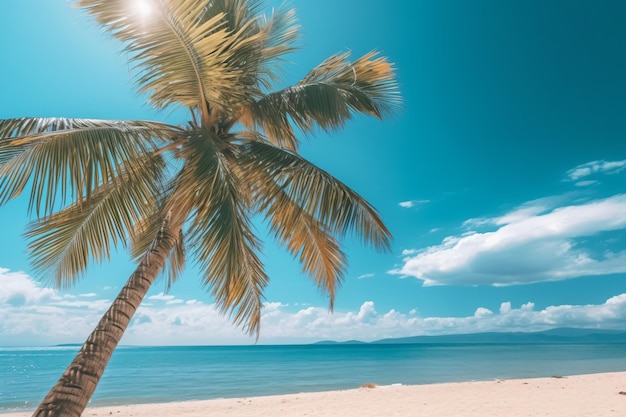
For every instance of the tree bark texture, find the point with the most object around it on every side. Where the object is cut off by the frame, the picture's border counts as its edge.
(72, 392)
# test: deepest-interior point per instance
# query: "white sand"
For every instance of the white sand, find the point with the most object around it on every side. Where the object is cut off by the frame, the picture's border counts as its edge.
(594, 395)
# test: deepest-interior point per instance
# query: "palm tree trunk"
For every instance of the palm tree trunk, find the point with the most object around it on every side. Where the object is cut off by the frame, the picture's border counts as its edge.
(70, 395)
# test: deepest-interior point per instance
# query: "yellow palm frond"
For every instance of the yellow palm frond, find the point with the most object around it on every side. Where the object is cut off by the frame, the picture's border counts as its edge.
(279, 32)
(200, 54)
(307, 239)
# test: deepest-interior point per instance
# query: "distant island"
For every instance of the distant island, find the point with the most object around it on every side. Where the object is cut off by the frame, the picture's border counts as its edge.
(560, 335)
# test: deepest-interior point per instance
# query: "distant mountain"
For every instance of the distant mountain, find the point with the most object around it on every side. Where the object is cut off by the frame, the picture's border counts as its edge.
(560, 335)
(347, 342)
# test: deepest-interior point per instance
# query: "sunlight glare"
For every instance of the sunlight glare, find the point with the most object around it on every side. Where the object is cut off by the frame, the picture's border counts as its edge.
(144, 7)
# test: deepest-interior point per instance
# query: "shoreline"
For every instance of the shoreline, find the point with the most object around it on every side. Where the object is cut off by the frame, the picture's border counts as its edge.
(601, 394)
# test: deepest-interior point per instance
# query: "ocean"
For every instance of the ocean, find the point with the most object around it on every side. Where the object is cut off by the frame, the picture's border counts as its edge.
(164, 374)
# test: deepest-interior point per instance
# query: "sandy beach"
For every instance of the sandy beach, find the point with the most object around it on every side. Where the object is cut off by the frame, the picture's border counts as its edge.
(567, 396)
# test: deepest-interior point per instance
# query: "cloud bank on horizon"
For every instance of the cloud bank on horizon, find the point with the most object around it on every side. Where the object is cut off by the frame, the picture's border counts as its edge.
(33, 315)
(548, 239)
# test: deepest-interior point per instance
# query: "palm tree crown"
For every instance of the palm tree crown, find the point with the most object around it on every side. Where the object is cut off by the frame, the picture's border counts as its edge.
(219, 59)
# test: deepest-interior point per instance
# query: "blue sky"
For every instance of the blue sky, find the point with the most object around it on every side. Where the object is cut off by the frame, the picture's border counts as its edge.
(502, 180)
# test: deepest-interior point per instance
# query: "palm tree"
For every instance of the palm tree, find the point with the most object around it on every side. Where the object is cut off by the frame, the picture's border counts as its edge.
(178, 192)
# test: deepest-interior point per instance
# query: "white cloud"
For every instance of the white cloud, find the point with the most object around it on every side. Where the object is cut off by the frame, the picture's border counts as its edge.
(531, 244)
(182, 324)
(528, 209)
(482, 312)
(44, 319)
(595, 167)
(586, 183)
(167, 299)
(33, 315)
(95, 305)
(505, 307)
(412, 203)
(365, 276)
(16, 288)
(161, 297)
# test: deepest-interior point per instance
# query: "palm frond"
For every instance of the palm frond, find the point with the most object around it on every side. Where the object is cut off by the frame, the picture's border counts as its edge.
(327, 97)
(275, 36)
(281, 33)
(220, 236)
(63, 243)
(316, 192)
(305, 238)
(60, 158)
(176, 260)
(143, 238)
(190, 52)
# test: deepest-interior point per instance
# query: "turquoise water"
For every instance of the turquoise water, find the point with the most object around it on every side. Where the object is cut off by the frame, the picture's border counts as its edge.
(163, 374)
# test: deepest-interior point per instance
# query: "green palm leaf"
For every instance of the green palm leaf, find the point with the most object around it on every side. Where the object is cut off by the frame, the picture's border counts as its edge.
(304, 237)
(143, 239)
(176, 261)
(220, 237)
(280, 33)
(59, 158)
(327, 97)
(65, 241)
(326, 199)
